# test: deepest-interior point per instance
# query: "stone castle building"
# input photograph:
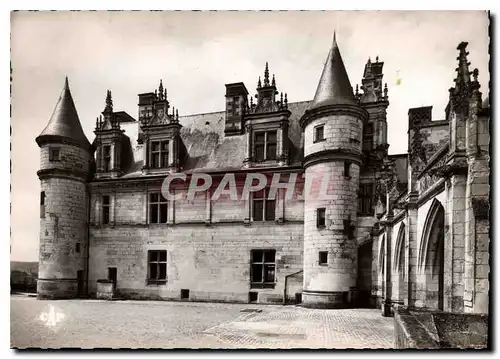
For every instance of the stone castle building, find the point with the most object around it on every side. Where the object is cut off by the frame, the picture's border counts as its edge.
(409, 229)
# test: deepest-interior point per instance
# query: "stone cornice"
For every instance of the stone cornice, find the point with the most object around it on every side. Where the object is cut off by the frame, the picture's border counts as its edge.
(63, 173)
(60, 140)
(459, 166)
(431, 192)
(323, 111)
(439, 155)
(282, 114)
(332, 154)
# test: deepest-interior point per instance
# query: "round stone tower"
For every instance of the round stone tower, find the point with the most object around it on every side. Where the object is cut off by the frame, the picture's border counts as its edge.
(333, 129)
(64, 168)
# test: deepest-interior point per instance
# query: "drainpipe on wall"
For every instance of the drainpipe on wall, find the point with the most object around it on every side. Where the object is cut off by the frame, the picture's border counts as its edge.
(286, 281)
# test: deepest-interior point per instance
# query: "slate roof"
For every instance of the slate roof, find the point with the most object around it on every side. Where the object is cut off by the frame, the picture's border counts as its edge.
(208, 149)
(334, 86)
(64, 121)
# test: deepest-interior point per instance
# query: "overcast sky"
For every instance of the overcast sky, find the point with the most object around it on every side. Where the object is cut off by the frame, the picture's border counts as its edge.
(196, 53)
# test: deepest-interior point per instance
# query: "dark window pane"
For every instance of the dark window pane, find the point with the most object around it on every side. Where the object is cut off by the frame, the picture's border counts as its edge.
(270, 210)
(164, 159)
(112, 274)
(42, 198)
(105, 215)
(269, 273)
(155, 160)
(163, 256)
(105, 200)
(77, 249)
(257, 256)
(319, 133)
(153, 256)
(153, 213)
(163, 271)
(164, 145)
(163, 213)
(107, 164)
(323, 257)
(271, 137)
(153, 271)
(259, 137)
(347, 167)
(162, 199)
(54, 154)
(269, 256)
(271, 152)
(321, 217)
(153, 197)
(107, 151)
(259, 194)
(259, 153)
(256, 273)
(155, 146)
(258, 207)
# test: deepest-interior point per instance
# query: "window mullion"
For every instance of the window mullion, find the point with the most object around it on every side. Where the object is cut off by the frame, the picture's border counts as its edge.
(265, 146)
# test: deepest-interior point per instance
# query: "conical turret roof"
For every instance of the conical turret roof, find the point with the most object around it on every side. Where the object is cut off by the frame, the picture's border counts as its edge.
(64, 121)
(334, 87)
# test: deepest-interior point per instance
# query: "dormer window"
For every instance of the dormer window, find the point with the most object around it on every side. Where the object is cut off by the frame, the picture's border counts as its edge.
(159, 154)
(265, 146)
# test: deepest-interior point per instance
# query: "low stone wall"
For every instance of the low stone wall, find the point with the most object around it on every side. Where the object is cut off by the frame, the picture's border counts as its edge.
(423, 329)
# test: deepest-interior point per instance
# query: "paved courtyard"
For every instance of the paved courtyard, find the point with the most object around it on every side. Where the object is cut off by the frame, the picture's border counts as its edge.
(140, 324)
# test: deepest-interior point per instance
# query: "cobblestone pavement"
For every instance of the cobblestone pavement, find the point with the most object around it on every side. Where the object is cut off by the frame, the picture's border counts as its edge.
(140, 324)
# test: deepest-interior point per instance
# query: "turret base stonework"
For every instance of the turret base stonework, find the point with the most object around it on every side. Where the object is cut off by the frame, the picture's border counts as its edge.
(326, 300)
(57, 288)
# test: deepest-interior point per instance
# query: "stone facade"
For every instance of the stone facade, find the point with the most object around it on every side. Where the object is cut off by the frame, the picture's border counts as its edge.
(406, 230)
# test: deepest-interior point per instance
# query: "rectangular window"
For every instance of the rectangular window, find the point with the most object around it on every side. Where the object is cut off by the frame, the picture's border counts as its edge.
(262, 271)
(323, 257)
(157, 208)
(77, 248)
(319, 133)
(157, 267)
(347, 169)
(159, 154)
(320, 217)
(42, 204)
(184, 293)
(265, 146)
(365, 199)
(264, 209)
(107, 158)
(368, 137)
(54, 154)
(112, 276)
(106, 205)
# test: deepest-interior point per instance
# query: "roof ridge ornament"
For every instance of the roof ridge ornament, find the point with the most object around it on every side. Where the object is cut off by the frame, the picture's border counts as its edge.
(266, 75)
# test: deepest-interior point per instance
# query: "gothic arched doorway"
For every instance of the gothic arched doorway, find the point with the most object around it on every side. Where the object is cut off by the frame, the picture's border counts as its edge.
(433, 259)
(399, 267)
